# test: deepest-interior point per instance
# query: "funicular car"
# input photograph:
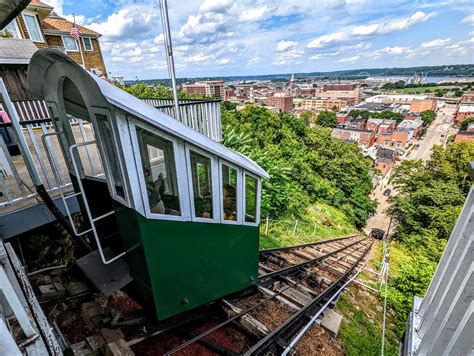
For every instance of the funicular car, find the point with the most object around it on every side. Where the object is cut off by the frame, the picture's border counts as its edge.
(181, 209)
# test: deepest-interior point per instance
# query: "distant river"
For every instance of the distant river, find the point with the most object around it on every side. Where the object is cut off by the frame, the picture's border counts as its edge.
(425, 80)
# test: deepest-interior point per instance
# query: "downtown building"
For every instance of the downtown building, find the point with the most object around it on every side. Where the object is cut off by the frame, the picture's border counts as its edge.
(281, 101)
(214, 89)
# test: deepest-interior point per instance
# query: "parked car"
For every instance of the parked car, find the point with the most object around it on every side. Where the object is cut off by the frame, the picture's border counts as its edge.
(417, 146)
(387, 192)
(377, 233)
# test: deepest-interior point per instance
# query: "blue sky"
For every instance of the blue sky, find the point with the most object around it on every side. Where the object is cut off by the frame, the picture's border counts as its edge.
(233, 37)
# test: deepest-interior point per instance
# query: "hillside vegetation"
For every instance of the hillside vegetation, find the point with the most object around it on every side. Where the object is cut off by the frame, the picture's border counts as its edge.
(430, 199)
(306, 165)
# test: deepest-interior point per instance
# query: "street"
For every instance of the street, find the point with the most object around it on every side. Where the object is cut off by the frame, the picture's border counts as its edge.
(440, 126)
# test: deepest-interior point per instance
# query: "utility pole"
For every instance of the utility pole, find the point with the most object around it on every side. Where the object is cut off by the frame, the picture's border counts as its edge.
(169, 53)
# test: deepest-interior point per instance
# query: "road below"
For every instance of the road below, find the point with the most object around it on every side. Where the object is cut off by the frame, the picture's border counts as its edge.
(436, 134)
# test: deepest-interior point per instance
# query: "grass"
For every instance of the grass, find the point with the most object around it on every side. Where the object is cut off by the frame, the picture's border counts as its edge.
(361, 330)
(419, 90)
(318, 222)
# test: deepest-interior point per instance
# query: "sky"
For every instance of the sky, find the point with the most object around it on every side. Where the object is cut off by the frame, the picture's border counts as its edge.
(239, 37)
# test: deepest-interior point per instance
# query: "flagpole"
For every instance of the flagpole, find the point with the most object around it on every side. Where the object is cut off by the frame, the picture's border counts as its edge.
(169, 53)
(79, 44)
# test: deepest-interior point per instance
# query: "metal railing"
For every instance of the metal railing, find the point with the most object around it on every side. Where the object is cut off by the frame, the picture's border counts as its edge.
(203, 116)
(16, 186)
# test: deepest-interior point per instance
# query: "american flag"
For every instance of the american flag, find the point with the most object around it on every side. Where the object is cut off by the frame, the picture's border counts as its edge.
(75, 33)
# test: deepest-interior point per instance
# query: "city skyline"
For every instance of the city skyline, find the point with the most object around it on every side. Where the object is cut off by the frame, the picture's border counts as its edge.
(222, 38)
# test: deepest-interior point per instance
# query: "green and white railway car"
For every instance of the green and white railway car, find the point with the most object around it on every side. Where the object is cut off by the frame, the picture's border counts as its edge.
(186, 207)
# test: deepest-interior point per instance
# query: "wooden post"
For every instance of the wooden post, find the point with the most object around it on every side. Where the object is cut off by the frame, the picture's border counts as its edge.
(266, 225)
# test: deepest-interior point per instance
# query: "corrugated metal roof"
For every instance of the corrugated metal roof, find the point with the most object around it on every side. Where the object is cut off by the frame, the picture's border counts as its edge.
(16, 51)
(40, 77)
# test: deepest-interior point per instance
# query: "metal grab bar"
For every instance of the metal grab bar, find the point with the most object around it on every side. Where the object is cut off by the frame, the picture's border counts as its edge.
(86, 204)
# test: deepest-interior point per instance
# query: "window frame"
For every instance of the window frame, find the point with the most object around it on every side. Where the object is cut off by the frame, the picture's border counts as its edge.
(84, 44)
(257, 199)
(181, 172)
(238, 193)
(17, 29)
(32, 14)
(64, 44)
(125, 200)
(215, 183)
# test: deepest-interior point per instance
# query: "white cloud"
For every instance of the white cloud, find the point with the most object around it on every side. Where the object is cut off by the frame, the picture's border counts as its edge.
(224, 61)
(285, 45)
(468, 19)
(325, 40)
(348, 60)
(316, 57)
(257, 14)
(393, 51)
(215, 5)
(128, 22)
(197, 58)
(373, 29)
(436, 43)
(392, 25)
(255, 60)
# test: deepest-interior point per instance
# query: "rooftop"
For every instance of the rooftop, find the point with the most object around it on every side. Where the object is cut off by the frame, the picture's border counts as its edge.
(57, 23)
(466, 108)
(16, 51)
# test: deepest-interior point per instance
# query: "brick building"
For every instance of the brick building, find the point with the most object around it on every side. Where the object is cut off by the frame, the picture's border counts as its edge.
(385, 160)
(468, 97)
(40, 25)
(373, 124)
(388, 125)
(395, 139)
(463, 112)
(420, 105)
(323, 104)
(360, 137)
(210, 89)
(464, 136)
(284, 103)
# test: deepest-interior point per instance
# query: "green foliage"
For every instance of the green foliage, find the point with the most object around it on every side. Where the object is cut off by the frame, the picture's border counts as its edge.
(458, 93)
(318, 221)
(430, 199)
(306, 165)
(228, 105)
(308, 117)
(386, 114)
(466, 123)
(6, 34)
(431, 196)
(428, 116)
(360, 335)
(143, 90)
(399, 84)
(327, 119)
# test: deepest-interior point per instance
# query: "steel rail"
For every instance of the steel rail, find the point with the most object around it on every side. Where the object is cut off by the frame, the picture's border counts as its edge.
(268, 278)
(296, 321)
(246, 311)
(322, 242)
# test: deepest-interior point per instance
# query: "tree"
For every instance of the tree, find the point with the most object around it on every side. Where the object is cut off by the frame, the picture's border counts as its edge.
(431, 196)
(306, 165)
(308, 117)
(428, 116)
(458, 93)
(228, 105)
(143, 90)
(466, 123)
(327, 119)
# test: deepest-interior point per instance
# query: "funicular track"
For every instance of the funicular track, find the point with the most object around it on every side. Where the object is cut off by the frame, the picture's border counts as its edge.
(294, 284)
